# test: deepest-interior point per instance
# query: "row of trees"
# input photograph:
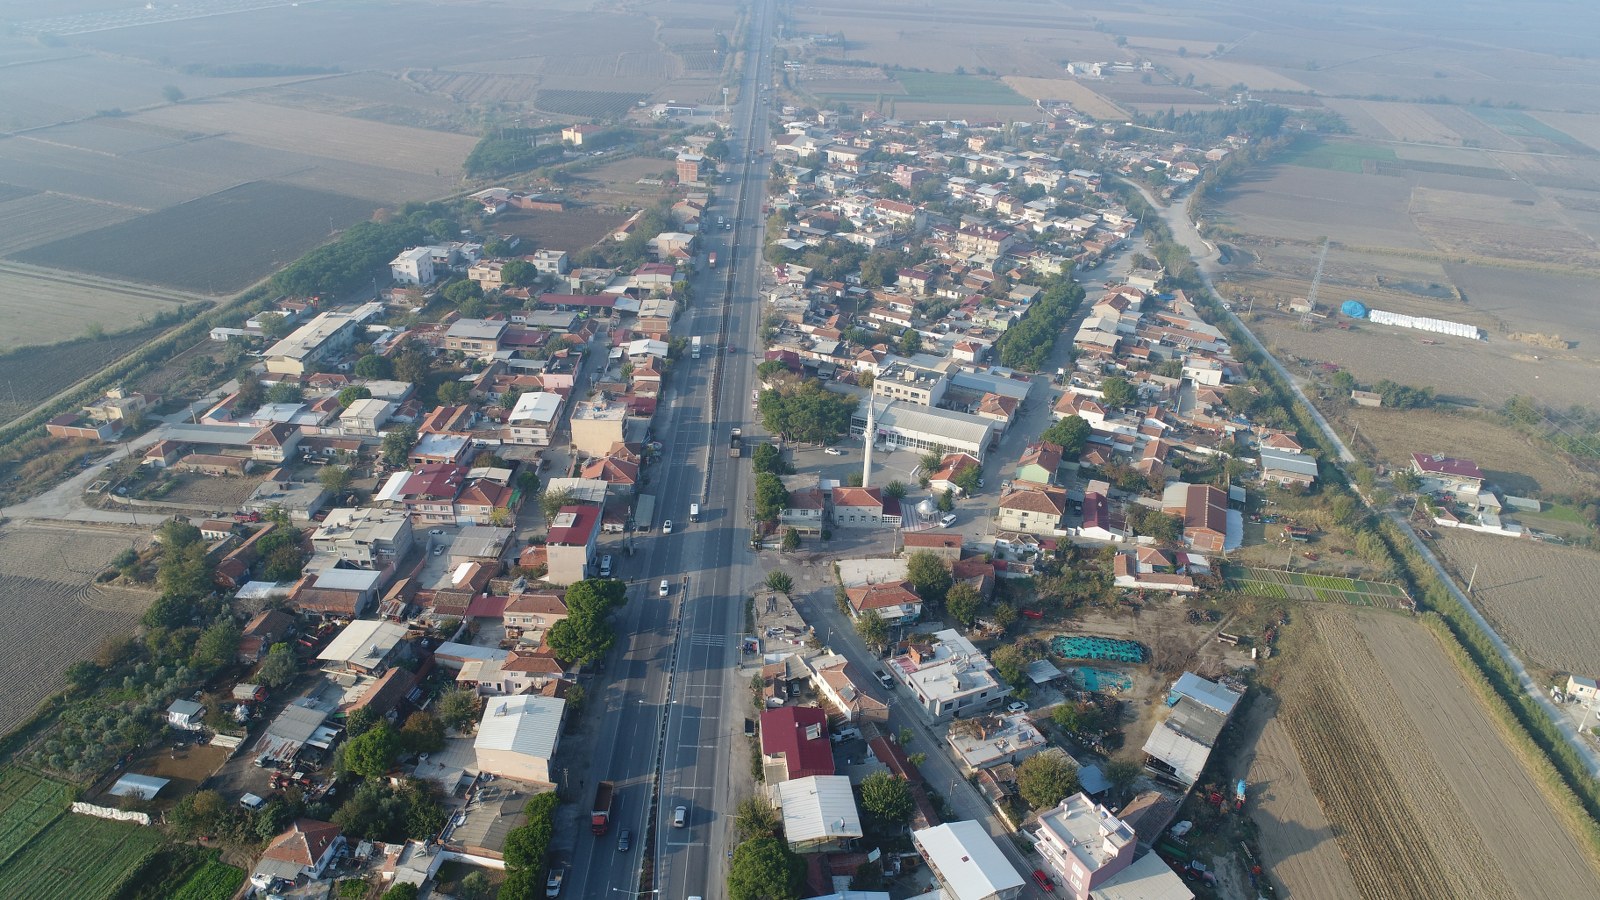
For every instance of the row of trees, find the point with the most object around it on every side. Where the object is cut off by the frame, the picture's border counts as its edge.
(1027, 344)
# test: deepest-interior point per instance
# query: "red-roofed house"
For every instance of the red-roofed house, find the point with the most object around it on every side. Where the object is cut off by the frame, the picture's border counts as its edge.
(950, 468)
(1447, 473)
(1031, 509)
(1204, 510)
(571, 543)
(275, 443)
(308, 844)
(942, 544)
(855, 507)
(794, 743)
(894, 601)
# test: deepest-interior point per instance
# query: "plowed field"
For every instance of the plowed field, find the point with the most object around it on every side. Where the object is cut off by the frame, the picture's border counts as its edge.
(1426, 797)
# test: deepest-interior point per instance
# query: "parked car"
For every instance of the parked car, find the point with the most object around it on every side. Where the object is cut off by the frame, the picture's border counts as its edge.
(552, 883)
(884, 679)
(947, 519)
(605, 566)
(833, 451)
(1043, 881)
(666, 527)
(680, 817)
(1017, 707)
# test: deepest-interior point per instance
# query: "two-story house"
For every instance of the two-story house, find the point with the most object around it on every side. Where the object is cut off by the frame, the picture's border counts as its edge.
(1031, 509)
(855, 507)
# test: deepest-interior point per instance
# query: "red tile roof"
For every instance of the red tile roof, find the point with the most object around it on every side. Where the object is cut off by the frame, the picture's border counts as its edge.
(304, 842)
(585, 522)
(783, 733)
(1446, 465)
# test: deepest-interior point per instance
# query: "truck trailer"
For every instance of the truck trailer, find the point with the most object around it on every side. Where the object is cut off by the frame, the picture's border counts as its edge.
(604, 798)
(694, 347)
(736, 443)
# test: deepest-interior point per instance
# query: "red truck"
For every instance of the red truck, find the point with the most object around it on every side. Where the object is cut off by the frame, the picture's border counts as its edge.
(711, 260)
(600, 816)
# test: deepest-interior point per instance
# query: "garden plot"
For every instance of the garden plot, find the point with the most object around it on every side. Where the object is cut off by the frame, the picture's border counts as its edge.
(1280, 584)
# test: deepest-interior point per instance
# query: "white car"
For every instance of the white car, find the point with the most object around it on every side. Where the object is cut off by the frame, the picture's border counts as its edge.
(666, 527)
(663, 589)
(947, 519)
(1017, 707)
(833, 451)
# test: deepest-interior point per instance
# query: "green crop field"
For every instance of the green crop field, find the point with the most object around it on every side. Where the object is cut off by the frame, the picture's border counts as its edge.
(213, 881)
(1278, 584)
(1339, 156)
(77, 858)
(935, 87)
(28, 804)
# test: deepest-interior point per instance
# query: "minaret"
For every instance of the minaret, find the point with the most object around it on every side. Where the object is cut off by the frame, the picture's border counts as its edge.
(868, 437)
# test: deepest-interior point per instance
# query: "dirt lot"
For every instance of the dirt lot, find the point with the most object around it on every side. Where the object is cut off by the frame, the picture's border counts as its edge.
(186, 768)
(223, 493)
(51, 605)
(1301, 852)
(1538, 596)
(1426, 797)
(1080, 95)
(570, 230)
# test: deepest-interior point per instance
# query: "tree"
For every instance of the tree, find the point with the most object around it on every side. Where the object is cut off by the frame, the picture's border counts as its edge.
(963, 602)
(771, 497)
(218, 644)
(1071, 433)
(475, 886)
(422, 733)
(1117, 392)
(873, 630)
(1045, 779)
(910, 342)
(1155, 523)
(780, 582)
(413, 364)
(275, 325)
(947, 500)
(458, 292)
(401, 892)
(334, 479)
(895, 490)
(250, 394)
(390, 813)
(197, 813)
(520, 884)
(372, 754)
(459, 709)
(283, 564)
(550, 502)
(806, 412)
(451, 393)
(887, 798)
(969, 479)
(929, 575)
(755, 819)
(397, 445)
(279, 667)
(1010, 664)
(766, 458)
(1122, 773)
(764, 868)
(360, 720)
(791, 540)
(581, 639)
(353, 393)
(596, 596)
(374, 366)
(526, 846)
(519, 273)
(284, 392)
(1407, 481)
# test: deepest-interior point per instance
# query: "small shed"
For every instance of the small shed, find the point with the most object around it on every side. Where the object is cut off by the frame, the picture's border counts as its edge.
(142, 787)
(186, 714)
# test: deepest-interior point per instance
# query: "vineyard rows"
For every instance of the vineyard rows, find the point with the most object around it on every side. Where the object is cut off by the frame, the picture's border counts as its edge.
(1277, 584)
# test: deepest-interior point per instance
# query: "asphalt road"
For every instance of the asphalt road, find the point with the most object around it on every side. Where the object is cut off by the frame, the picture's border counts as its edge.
(670, 716)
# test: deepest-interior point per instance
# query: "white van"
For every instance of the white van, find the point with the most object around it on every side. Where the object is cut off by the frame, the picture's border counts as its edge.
(605, 566)
(252, 802)
(694, 512)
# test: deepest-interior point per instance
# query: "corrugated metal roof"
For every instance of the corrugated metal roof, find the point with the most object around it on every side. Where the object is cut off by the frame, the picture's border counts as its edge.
(819, 808)
(526, 724)
(970, 864)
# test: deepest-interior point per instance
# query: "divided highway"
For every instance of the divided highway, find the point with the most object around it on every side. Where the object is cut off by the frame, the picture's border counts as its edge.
(670, 717)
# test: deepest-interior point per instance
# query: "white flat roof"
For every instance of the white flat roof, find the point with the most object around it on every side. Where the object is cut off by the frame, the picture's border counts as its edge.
(348, 579)
(1147, 878)
(526, 724)
(536, 406)
(969, 863)
(357, 641)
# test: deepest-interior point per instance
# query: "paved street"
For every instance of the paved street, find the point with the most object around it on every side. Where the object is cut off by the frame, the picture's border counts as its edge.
(672, 702)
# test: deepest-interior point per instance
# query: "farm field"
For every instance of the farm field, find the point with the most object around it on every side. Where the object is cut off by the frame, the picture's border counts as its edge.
(1426, 797)
(195, 246)
(78, 858)
(570, 230)
(31, 375)
(1080, 95)
(1309, 203)
(40, 307)
(1508, 458)
(1278, 584)
(28, 804)
(1298, 845)
(1537, 595)
(47, 588)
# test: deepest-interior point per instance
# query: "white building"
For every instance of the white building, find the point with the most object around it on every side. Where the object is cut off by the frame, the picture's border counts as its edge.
(902, 426)
(325, 336)
(517, 736)
(533, 419)
(949, 677)
(967, 862)
(414, 266)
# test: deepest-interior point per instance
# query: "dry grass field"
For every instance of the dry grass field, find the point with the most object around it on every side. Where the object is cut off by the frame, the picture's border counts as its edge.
(1082, 97)
(1308, 204)
(1539, 596)
(571, 230)
(1426, 797)
(49, 598)
(1505, 455)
